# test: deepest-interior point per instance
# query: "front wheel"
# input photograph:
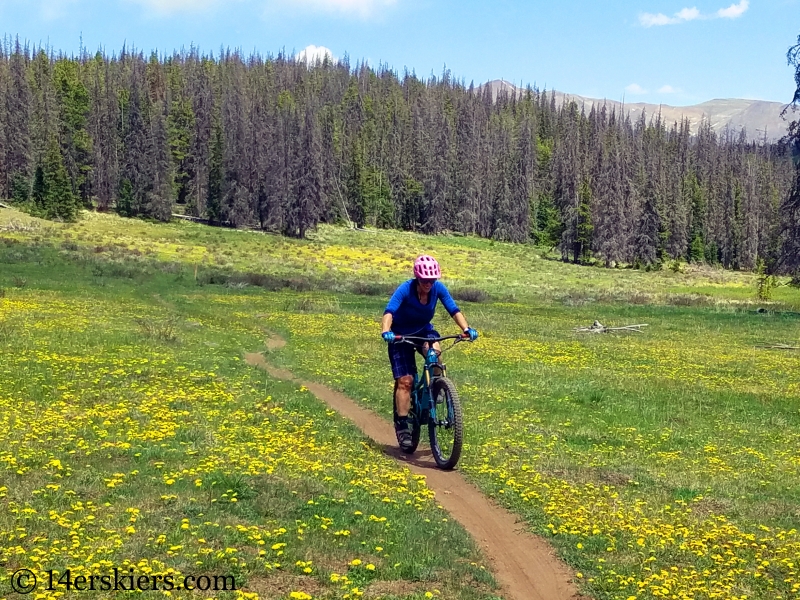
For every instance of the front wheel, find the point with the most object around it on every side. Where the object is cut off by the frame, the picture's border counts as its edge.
(446, 432)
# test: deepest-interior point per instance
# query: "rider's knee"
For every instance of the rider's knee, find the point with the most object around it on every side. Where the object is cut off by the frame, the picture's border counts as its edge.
(405, 382)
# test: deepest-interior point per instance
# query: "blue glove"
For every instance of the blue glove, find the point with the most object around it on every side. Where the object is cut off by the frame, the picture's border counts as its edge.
(473, 335)
(388, 337)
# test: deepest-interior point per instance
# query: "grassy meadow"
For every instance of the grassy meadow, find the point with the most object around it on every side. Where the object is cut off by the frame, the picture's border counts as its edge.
(664, 464)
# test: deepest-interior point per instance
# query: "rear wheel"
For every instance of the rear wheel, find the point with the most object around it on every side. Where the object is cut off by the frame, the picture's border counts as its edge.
(447, 431)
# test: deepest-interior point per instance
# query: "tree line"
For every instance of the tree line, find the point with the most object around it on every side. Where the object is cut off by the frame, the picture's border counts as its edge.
(279, 144)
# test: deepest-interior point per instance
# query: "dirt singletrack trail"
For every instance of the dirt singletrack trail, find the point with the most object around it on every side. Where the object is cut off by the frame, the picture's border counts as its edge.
(525, 566)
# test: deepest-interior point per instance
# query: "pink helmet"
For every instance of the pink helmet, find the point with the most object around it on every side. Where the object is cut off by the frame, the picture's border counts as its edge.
(426, 267)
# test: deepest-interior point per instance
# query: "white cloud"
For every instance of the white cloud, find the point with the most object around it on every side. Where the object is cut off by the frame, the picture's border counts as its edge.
(668, 89)
(734, 10)
(311, 54)
(649, 19)
(685, 14)
(635, 88)
(692, 14)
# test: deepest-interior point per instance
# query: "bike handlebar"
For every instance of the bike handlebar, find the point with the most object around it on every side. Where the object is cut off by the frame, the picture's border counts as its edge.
(458, 338)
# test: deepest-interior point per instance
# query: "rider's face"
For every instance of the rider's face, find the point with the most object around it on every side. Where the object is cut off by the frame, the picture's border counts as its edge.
(426, 284)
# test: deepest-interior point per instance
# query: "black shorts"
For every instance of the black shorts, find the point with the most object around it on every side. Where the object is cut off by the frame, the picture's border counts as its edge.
(403, 356)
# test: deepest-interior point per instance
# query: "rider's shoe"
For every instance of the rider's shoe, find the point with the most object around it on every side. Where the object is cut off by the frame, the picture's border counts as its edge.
(402, 429)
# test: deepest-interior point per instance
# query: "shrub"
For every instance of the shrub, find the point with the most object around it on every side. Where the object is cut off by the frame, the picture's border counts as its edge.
(318, 305)
(675, 266)
(303, 284)
(765, 283)
(8, 331)
(689, 300)
(640, 298)
(372, 289)
(471, 295)
(165, 331)
(273, 283)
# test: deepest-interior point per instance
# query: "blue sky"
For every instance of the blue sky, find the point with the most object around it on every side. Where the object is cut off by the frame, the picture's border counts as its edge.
(669, 51)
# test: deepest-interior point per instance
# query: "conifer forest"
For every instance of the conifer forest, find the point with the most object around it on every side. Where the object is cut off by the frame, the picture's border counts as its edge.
(281, 145)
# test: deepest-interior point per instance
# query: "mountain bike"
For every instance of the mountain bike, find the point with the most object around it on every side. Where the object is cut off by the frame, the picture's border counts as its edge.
(435, 403)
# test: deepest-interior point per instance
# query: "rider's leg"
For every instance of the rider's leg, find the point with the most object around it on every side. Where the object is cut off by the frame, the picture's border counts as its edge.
(402, 394)
(403, 360)
(402, 403)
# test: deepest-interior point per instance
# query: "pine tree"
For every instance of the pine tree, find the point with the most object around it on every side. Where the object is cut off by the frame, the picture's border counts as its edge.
(74, 107)
(696, 199)
(136, 178)
(180, 128)
(567, 182)
(3, 122)
(214, 206)
(39, 191)
(230, 138)
(304, 213)
(584, 226)
(162, 185)
(789, 257)
(103, 128)
(202, 99)
(356, 186)
(18, 135)
(52, 190)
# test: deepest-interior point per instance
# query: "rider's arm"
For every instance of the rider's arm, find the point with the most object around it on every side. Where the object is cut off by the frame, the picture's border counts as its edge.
(451, 306)
(400, 294)
(386, 322)
(460, 320)
(447, 300)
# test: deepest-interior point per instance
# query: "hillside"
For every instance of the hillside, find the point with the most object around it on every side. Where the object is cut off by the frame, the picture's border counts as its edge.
(647, 461)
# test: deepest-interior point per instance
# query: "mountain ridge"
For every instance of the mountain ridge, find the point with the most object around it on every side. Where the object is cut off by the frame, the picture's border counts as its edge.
(761, 119)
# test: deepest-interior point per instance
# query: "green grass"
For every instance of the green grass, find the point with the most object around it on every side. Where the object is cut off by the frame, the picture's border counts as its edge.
(339, 260)
(134, 435)
(658, 464)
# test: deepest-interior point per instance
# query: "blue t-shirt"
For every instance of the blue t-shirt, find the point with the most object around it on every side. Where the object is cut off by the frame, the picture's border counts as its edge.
(409, 315)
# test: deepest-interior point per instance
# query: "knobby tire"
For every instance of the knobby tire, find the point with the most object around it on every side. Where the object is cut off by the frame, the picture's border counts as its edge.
(456, 429)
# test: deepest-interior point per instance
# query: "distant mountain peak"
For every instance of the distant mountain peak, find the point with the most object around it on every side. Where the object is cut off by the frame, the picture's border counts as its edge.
(759, 118)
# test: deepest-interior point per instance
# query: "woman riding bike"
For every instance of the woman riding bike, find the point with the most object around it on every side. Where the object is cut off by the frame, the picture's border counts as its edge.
(409, 313)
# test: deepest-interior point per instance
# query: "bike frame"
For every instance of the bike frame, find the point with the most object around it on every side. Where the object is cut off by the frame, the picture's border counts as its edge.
(422, 401)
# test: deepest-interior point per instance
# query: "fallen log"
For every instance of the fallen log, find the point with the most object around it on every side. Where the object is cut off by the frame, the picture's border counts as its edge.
(190, 218)
(598, 327)
(779, 347)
